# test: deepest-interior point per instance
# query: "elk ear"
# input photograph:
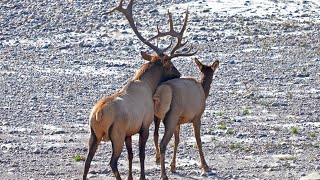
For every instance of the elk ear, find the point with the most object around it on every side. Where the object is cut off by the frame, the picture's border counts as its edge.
(215, 66)
(146, 56)
(198, 63)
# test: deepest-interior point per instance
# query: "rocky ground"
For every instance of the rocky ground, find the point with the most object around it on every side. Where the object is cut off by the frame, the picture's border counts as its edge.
(262, 116)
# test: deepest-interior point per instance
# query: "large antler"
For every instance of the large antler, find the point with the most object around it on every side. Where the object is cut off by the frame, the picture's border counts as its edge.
(128, 13)
(178, 35)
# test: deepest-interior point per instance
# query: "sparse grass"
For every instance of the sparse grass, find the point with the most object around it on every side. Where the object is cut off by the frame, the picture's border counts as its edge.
(276, 128)
(236, 145)
(294, 130)
(230, 131)
(229, 120)
(222, 127)
(316, 145)
(213, 139)
(245, 111)
(247, 149)
(210, 130)
(313, 134)
(220, 144)
(220, 113)
(287, 158)
(77, 157)
(289, 94)
(288, 24)
(195, 145)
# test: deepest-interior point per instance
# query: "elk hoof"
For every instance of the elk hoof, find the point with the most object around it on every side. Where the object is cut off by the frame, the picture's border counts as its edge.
(164, 177)
(173, 168)
(142, 177)
(206, 168)
(158, 161)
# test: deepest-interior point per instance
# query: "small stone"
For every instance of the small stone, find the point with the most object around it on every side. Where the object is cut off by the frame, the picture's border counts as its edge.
(206, 10)
(50, 173)
(126, 48)
(105, 171)
(36, 151)
(154, 11)
(5, 124)
(313, 175)
(57, 132)
(231, 37)
(283, 143)
(204, 174)
(12, 170)
(211, 173)
(50, 148)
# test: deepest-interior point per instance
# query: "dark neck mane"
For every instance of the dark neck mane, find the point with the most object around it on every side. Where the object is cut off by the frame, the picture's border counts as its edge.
(206, 84)
(149, 73)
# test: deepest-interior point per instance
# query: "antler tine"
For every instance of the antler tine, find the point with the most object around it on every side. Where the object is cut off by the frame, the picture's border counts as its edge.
(118, 8)
(128, 14)
(168, 47)
(186, 54)
(179, 45)
(170, 21)
(171, 31)
(185, 22)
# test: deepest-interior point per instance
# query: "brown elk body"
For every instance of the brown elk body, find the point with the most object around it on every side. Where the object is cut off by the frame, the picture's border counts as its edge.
(180, 101)
(131, 110)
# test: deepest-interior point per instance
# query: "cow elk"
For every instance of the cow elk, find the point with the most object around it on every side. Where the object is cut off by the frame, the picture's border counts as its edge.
(131, 110)
(179, 101)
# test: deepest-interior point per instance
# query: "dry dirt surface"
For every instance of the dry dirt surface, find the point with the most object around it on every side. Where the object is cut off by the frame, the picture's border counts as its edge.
(57, 58)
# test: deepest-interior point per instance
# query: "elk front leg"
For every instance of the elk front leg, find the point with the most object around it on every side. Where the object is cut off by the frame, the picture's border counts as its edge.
(176, 143)
(156, 138)
(93, 145)
(130, 156)
(196, 127)
(144, 134)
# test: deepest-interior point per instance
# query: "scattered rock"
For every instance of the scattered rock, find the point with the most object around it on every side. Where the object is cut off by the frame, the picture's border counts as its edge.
(311, 176)
(36, 151)
(154, 11)
(50, 173)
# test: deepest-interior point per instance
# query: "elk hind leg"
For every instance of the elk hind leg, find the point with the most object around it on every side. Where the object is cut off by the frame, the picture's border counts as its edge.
(144, 134)
(196, 127)
(170, 122)
(117, 146)
(156, 138)
(130, 155)
(176, 143)
(93, 145)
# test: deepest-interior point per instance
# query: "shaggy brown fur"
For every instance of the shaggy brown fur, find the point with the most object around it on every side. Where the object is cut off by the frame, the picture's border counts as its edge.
(180, 101)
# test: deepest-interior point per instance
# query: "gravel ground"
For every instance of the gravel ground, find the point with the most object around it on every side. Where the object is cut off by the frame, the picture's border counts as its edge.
(262, 116)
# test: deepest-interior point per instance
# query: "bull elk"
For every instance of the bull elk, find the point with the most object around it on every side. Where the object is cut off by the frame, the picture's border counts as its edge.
(179, 101)
(131, 110)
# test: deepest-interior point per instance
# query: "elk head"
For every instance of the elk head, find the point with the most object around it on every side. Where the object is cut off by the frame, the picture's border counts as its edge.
(169, 70)
(207, 71)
